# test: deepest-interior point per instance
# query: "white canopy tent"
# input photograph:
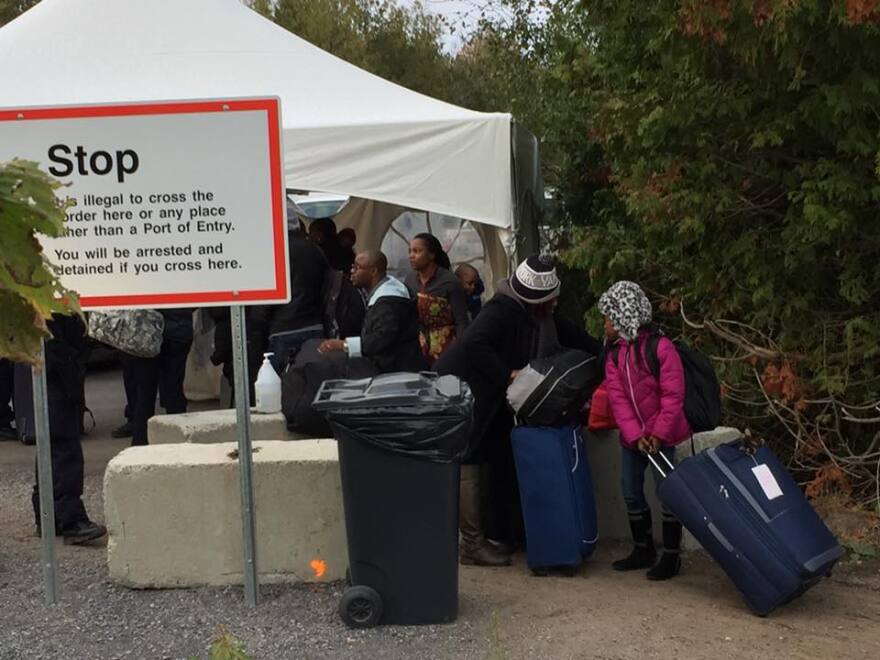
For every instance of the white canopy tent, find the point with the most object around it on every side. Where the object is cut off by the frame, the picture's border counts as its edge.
(345, 130)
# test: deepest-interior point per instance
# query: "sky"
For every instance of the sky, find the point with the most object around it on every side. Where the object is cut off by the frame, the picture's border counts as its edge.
(464, 13)
(449, 8)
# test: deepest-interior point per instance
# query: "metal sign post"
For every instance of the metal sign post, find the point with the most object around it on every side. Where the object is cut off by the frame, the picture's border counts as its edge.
(44, 470)
(245, 458)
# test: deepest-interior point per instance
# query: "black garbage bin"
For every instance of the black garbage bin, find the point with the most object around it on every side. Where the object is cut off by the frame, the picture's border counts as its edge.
(400, 438)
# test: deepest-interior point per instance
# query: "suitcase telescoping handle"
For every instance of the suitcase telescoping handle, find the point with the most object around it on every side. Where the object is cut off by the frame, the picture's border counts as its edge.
(657, 465)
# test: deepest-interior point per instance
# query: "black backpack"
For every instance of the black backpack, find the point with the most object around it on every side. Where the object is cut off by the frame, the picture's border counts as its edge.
(344, 306)
(702, 393)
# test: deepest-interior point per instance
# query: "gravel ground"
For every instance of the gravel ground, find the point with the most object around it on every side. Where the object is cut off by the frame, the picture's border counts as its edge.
(95, 619)
(504, 613)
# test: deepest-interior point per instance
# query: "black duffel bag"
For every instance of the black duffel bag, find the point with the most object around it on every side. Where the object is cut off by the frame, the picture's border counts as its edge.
(302, 379)
(552, 391)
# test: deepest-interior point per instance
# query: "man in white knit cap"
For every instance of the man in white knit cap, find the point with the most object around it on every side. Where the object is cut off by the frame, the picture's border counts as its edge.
(517, 325)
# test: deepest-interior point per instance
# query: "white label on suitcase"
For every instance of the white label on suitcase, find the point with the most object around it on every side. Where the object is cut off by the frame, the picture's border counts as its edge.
(767, 481)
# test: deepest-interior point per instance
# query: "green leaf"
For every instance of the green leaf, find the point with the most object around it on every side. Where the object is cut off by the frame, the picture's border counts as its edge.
(29, 289)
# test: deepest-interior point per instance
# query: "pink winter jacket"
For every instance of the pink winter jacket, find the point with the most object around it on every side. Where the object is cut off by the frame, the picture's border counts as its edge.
(641, 405)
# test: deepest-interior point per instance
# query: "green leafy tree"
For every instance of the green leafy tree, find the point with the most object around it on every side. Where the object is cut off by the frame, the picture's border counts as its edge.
(398, 43)
(10, 9)
(743, 139)
(29, 289)
(725, 154)
(534, 59)
(263, 7)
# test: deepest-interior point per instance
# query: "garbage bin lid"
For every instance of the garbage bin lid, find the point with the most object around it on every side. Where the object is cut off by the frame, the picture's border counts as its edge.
(394, 389)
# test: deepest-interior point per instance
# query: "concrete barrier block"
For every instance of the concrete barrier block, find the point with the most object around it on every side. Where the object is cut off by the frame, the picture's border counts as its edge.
(174, 517)
(603, 448)
(215, 426)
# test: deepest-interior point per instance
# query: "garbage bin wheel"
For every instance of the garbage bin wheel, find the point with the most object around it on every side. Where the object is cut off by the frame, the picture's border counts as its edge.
(360, 607)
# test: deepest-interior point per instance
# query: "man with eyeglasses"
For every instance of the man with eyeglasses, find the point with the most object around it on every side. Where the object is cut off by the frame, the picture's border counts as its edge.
(390, 335)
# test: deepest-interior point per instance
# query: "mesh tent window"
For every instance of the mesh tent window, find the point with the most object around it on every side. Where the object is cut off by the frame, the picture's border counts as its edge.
(458, 237)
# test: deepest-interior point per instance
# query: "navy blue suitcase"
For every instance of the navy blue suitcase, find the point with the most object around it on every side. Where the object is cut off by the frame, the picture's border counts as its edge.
(751, 516)
(556, 490)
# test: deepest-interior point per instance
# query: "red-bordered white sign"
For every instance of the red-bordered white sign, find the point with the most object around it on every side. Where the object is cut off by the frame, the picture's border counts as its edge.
(174, 204)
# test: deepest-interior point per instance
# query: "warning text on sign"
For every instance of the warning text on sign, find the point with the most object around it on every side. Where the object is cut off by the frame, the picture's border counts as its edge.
(165, 207)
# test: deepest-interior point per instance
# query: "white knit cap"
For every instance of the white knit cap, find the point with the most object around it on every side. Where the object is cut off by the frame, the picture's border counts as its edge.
(535, 280)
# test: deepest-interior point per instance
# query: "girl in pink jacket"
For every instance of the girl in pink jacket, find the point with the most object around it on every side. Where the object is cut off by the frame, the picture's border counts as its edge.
(649, 412)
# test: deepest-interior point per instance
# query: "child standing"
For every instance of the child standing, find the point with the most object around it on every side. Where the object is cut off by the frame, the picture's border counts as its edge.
(473, 286)
(649, 412)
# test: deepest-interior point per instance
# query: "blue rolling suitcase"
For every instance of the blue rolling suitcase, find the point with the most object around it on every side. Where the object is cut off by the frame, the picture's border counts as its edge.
(556, 490)
(750, 515)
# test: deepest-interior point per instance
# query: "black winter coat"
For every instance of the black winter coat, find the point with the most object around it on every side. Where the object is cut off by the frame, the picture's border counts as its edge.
(178, 325)
(502, 338)
(306, 307)
(340, 258)
(66, 355)
(390, 335)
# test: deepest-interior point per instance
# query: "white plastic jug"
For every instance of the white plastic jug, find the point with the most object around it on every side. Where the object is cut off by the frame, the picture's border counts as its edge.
(267, 389)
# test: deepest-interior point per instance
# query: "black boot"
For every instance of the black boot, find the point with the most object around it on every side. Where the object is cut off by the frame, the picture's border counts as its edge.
(482, 555)
(643, 554)
(83, 531)
(670, 561)
(502, 547)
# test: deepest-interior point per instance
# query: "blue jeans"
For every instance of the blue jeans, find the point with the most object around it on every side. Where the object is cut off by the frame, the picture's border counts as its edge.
(633, 464)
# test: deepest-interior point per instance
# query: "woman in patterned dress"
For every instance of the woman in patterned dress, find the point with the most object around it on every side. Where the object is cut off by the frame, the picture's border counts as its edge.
(440, 298)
